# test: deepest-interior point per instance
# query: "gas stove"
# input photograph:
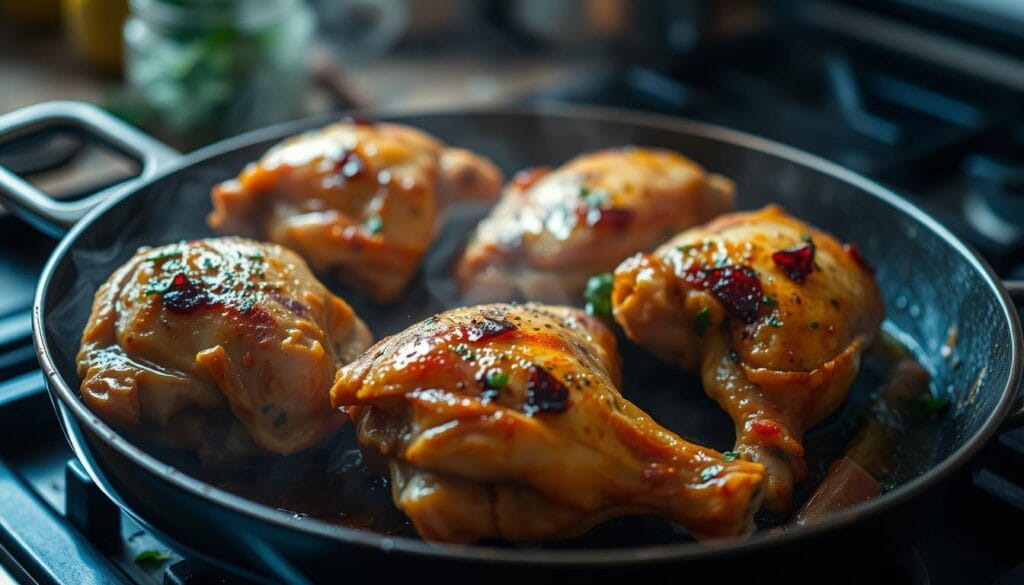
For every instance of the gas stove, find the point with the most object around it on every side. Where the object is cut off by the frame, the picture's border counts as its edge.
(948, 136)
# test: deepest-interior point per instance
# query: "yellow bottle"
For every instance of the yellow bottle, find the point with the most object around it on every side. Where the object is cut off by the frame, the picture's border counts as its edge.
(93, 28)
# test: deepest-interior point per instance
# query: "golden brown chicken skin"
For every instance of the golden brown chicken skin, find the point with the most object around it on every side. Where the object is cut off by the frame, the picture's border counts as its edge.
(218, 345)
(552, 229)
(504, 421)
(357, 198)
(773, 313)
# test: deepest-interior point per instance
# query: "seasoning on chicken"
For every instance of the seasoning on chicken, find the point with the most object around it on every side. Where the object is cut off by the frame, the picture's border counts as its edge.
(773, 313)
(221, 345)
(505, 421)
(356, 198)
(552, 229)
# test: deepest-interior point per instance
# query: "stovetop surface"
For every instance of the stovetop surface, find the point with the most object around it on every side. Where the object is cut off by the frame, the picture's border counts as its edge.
(952, 144)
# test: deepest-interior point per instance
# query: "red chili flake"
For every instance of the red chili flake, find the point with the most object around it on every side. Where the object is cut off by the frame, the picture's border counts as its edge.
(544, 393)
(350, 165)
(359, 121)
(735, 286)
(797, 261)
(854, 253)
(184, 296)
(526, 178)
(489, 327)
(613, 219)
(764, 427)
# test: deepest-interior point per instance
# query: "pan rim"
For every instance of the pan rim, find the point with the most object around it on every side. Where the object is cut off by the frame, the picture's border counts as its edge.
(539, 557)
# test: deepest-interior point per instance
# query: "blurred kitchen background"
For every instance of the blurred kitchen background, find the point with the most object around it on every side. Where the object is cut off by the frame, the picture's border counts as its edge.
(922, 95)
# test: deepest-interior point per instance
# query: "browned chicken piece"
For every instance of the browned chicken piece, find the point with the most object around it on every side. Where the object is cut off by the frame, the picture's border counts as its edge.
(773, 313)
(220, 345)
(504, 421)
(356, 198)
(552, 229)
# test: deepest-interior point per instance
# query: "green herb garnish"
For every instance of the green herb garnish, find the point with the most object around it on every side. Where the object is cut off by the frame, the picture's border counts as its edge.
(594, 198)
(806, 237)
(815, 324)
(730, 456)
(496, 378)
(775, 322)
(710, 472)
(152, 557)
(161, 256)
(374, 224)
(598, 294)
(702, 320)
(770, 301)
(685, 248)
(464, 351)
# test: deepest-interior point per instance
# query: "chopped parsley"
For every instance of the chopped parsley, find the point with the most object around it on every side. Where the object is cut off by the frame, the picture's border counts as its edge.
(152, 557)
(730, 456)
(165, 255)
(775, 322)
(702, 320)
(374, 224)
(770, 301)
(710, 472)
(464, 351)
(594, 197)
(496, 378)
(598, 295)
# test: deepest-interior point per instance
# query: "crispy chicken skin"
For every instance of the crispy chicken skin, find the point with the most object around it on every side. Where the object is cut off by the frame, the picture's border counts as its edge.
(504, 421)
(220, 345)
(357, 198)
(552, 229)
(777, 347)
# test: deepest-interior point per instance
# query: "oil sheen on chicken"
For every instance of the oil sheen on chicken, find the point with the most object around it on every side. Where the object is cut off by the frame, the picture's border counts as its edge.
(552, 229)
(356, 198)
(224, 345)
(773, 313)
(505, 421)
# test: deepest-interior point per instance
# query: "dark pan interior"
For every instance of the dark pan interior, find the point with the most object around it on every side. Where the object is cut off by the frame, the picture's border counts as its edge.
(929, 284)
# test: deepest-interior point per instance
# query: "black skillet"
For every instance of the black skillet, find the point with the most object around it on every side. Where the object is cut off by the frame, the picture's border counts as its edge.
(930, 279)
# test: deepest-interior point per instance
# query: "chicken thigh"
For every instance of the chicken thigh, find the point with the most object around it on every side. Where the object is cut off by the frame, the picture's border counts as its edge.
(220, 345)
(552, 229)
(505, 421)
(357, 198)
(773, 313)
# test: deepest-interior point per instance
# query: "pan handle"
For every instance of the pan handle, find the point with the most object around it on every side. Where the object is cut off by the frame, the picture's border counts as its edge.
(51, 215)
(1016, 290)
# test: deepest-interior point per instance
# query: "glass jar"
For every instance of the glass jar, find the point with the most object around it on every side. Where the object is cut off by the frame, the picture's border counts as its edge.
(199, 70)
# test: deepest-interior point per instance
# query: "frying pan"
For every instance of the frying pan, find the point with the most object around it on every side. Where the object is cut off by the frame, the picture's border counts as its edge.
(930, 279)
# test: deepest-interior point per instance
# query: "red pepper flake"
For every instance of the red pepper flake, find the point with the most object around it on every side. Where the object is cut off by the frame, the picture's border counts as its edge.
(796, 262)
(854, 252)
(183, 296)
(612, 219)
(525, 179)
(489, 327)
(544, 393)
(735, 286)
(350, 165)
(764, 427)
(359, 121)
